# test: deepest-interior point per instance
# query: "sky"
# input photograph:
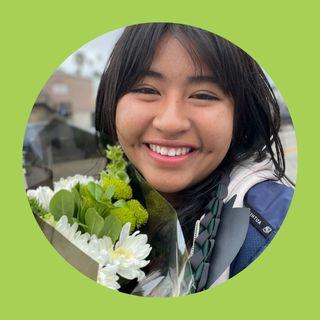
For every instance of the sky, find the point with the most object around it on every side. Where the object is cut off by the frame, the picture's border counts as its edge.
(97, 53)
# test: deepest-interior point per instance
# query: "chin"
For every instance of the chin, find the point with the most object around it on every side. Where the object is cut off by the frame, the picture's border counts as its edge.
(167, 187)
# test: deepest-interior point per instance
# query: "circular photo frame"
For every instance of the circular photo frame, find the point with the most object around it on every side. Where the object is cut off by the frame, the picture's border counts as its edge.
(160, 160)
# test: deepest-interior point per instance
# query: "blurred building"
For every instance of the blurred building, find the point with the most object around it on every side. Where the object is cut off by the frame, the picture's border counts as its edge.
(60, 138)
(53, 149)
(70, 96)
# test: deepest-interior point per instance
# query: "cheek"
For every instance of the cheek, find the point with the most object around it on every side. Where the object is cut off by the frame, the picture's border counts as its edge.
(217, 130)
(125, 114)
(123, 123)
(131, 120)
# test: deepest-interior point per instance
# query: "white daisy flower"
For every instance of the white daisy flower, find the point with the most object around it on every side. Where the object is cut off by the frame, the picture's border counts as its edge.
(70, 182)
(129, 253)
(99, 249)
(90, 245)
(125, 258)
(43, 195)
(71, 233)
(81, 240)
(66, 229)
(108, 278)
(94, 248)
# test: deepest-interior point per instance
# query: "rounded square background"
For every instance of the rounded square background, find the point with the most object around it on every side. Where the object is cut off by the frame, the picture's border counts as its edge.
(36, 39)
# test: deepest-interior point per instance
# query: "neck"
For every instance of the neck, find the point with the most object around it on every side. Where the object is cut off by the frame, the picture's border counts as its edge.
(173, 198)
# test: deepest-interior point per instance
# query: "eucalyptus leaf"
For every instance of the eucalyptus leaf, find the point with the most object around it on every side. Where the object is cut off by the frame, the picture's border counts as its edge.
(62, 203)
(111, 228)
(103, 208)
(82, 214)
(77, 201)
(95, 190)
(108, 194)
(93, 221)
(77, 187)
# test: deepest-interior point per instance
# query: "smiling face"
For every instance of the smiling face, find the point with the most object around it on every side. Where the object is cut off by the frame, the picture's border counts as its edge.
(175, 125)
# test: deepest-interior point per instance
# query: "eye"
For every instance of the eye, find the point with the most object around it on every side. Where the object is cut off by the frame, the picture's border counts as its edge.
(204, 96)
(145, 90)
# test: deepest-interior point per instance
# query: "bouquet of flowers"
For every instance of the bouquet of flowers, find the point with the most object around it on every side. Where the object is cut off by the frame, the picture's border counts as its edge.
(95, 225)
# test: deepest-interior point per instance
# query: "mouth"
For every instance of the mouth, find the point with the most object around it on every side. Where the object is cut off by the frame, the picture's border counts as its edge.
(169, 150)
(169, 155)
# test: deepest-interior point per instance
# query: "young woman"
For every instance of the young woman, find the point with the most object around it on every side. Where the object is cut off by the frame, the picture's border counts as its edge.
(197, 118)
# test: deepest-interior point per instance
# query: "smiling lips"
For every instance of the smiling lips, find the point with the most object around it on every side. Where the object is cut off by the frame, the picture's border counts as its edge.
(169, 155)
(169, 151)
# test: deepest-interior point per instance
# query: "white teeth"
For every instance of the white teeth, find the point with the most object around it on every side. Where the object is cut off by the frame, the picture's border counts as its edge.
(171, 152)
(164, 151)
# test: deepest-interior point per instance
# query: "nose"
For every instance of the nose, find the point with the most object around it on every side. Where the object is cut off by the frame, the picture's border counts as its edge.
(172, 117)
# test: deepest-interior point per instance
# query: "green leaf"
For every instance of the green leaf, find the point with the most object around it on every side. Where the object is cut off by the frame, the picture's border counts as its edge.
(82, 214)
(75, 220)
(77, 201)
(95, 190)
(62, 203)
(36, 207)
(120, 203)
(111, 228)
(109, 192)
(103, 208)
(93, 221)
(77, 187)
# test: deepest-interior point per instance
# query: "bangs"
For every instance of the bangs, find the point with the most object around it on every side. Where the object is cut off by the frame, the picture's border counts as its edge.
(204, 48)
(207, 51)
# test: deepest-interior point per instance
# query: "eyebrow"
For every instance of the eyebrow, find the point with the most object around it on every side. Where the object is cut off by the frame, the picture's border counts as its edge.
(202, 78)
(191, 80)
(152, 74)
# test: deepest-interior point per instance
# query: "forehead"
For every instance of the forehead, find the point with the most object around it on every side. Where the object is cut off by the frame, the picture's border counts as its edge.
(173, 53)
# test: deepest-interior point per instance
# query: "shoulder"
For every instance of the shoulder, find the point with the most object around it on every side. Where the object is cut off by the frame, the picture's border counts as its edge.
(269, 202)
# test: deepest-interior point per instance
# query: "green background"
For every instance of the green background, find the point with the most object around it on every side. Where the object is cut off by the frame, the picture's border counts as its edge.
(36, 37)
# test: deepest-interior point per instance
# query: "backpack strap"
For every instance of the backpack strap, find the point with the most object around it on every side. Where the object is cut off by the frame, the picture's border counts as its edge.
(268, 202)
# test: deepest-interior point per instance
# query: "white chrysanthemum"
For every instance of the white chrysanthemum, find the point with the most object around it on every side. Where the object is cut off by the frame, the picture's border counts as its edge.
(43, 195)
(125, 258)
(70, 182)
(72, 234)
(108, 278)
(95, 248)
(129, 253)
(99, 249)
(90, 245)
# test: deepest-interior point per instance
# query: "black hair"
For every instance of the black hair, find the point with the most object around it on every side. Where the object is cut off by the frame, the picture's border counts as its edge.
(256, 112)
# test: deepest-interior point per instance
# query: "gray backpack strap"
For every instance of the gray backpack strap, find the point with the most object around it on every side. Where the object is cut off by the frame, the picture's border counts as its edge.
(230, 237)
